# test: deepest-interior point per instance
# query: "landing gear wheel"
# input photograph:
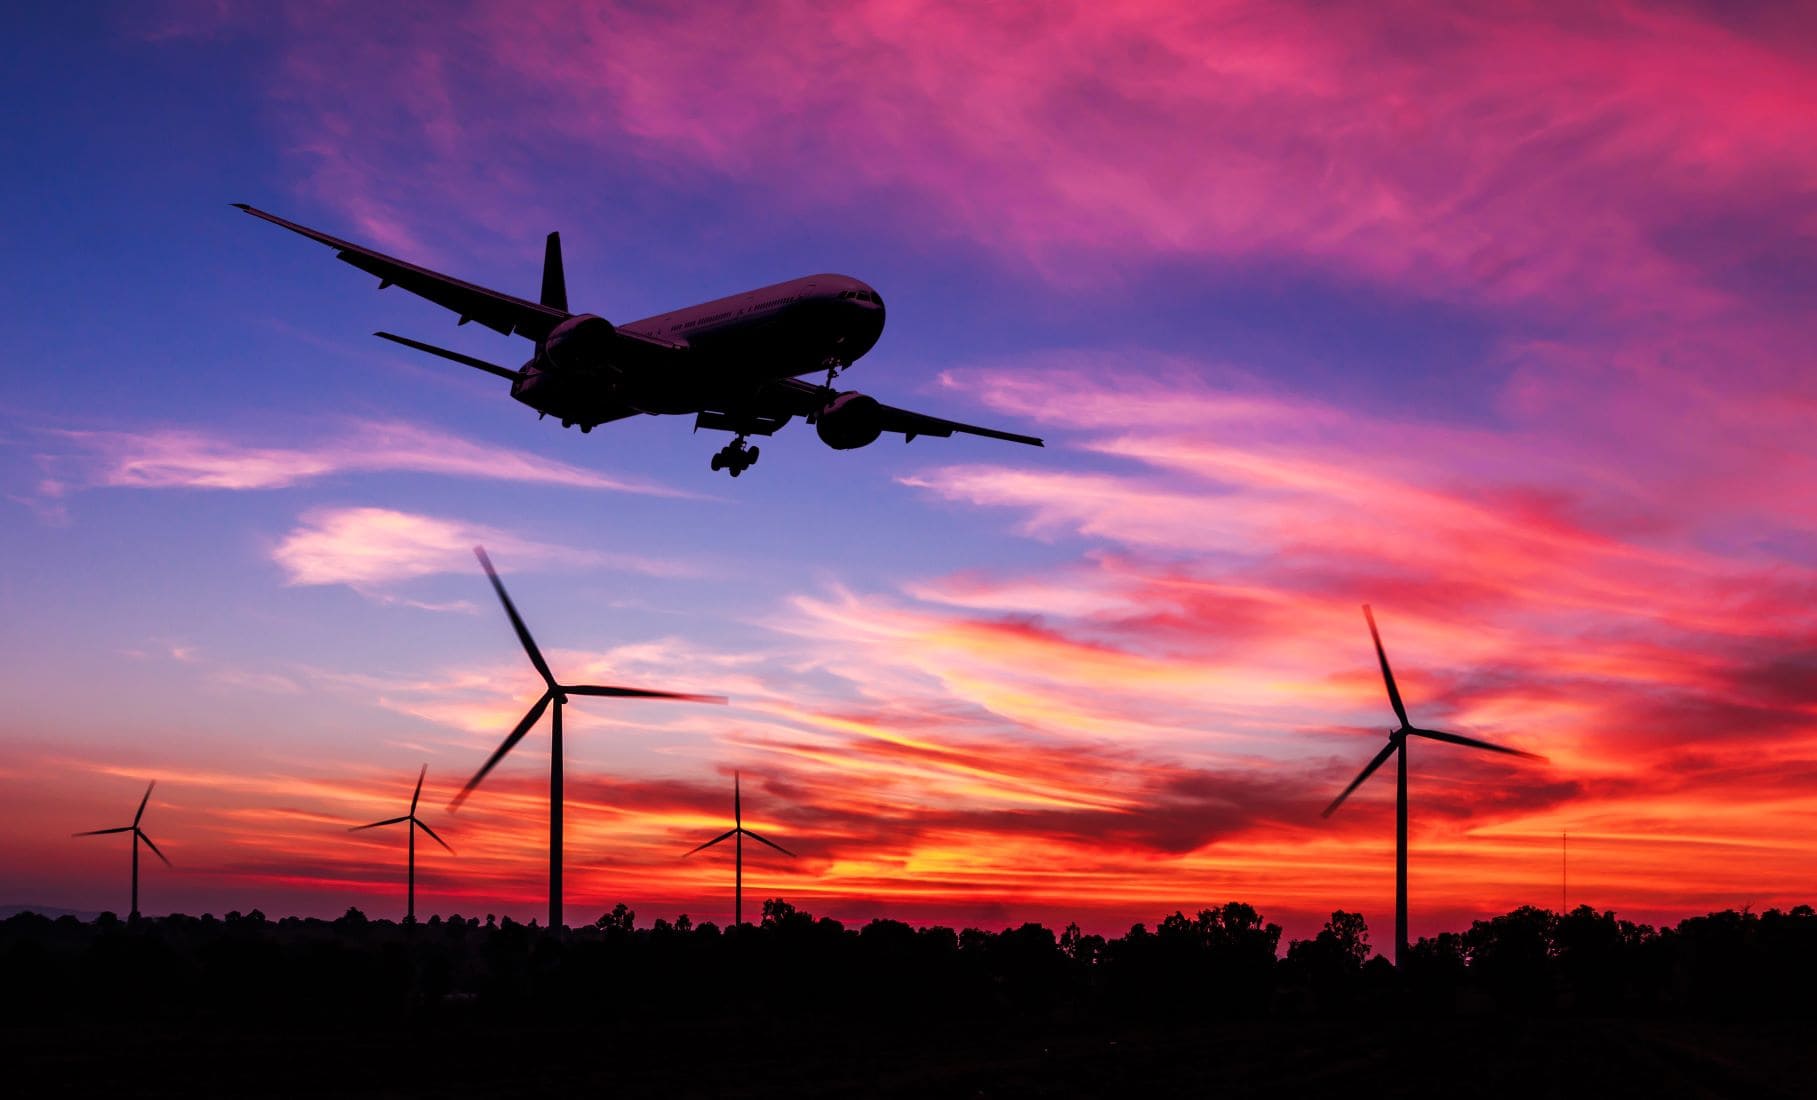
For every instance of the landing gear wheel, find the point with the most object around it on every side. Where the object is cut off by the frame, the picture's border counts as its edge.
(735, 458)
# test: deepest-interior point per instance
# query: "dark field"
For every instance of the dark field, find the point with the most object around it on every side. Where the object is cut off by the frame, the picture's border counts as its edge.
(1437, 1058)
(1527, 1004)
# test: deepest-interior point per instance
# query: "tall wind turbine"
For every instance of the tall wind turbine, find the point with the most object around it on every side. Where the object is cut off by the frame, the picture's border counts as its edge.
(1397, 746)
(555, 694)
(739, 832)
(415, 824)
(138, 834)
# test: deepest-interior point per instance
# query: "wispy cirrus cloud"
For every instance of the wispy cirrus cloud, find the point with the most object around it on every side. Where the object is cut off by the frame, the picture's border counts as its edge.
(191, 458)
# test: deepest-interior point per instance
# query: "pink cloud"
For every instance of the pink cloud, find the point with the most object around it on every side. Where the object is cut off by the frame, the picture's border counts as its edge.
(1429, 149)
(368, 548)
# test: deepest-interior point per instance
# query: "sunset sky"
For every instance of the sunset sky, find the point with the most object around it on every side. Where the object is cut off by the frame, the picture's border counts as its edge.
(1497, 319)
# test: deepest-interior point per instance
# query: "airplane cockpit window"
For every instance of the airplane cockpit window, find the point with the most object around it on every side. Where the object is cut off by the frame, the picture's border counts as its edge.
(876, 297)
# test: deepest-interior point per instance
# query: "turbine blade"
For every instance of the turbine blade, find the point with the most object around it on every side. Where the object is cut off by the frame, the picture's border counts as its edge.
(376, 824)
(771, 843)
(419, 824)
(104, 832)
(1394, 693)
(1368, 770)
(1471, 742)
(418, 793)
(143, 801)
(152, 846)
(639, 693)
(523, 727)
(517, 623)
(727, 835)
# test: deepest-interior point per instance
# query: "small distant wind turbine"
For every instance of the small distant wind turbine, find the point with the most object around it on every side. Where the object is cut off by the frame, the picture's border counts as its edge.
(138, 834)
(740, 832)
(1397, 746)
(415, 824)
(556, 694)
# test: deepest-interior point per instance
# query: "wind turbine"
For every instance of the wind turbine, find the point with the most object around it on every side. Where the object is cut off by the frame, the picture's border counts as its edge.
(415, 824)
(1397, 746)
(138, 834)
(740, 832)
(556, 694)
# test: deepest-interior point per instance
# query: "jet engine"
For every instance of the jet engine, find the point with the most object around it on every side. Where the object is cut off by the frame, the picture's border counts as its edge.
(579, 342)
(850, 420)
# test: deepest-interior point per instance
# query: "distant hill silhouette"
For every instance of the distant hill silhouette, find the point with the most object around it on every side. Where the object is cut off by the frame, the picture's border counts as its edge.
(48, 911)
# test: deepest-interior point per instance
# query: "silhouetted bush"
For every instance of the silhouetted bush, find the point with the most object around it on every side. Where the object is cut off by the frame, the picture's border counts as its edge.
(247, 973)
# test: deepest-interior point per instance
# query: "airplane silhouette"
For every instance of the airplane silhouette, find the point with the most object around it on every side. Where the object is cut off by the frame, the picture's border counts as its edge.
(732, 363)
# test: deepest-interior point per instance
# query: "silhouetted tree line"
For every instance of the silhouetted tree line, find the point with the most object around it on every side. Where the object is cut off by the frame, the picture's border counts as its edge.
(246, 971)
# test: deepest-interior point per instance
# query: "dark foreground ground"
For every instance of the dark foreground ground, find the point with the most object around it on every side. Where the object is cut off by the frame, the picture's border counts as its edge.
(1449, 1058)
(1529, 1004)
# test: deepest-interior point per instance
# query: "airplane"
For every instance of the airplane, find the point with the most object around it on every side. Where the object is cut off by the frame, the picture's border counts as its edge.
(734, 363)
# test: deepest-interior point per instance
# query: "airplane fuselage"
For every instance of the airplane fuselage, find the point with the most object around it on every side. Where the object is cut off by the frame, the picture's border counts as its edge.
(731, 345)
(734, 363)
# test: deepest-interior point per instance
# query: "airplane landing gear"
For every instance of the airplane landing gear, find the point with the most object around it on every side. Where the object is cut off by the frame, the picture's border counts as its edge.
(735, 457)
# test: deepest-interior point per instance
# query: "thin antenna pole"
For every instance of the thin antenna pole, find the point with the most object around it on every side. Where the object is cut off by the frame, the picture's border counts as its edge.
(1564, 876)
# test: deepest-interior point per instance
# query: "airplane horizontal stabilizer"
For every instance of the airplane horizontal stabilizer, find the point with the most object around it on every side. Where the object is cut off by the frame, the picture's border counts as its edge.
(454, 356)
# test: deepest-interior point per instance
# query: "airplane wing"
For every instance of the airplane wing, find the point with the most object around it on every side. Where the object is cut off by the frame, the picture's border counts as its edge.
(806, 399)
(912, 424)
(501, 313)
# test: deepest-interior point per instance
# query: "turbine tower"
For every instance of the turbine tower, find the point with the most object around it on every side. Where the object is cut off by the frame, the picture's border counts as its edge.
(415, 824)
(138, 834)
(1397, 746)
(739, 832)
(555, 695)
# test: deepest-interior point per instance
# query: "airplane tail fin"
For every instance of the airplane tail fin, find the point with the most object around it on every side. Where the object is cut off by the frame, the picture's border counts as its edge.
(555, 284)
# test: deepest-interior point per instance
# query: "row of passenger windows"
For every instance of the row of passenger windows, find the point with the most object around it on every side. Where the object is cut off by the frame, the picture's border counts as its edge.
(862, 296)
